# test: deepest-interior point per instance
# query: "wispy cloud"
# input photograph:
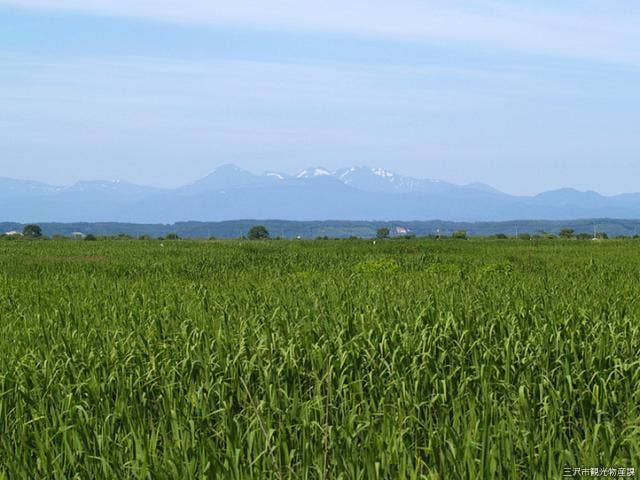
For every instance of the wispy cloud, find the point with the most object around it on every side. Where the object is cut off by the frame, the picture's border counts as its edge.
(577, 29)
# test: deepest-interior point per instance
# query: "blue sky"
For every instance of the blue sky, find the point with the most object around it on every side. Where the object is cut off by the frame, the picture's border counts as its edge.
(525, 96)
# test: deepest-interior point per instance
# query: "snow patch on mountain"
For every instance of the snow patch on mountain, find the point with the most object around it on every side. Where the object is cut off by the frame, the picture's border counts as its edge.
(314, 172)
(276, 175)
(382, 173)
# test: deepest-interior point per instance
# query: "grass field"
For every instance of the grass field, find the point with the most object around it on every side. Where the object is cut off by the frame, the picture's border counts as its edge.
(318, 359)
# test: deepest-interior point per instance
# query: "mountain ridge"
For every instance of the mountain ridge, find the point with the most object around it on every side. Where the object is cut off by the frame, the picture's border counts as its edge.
(315, 193)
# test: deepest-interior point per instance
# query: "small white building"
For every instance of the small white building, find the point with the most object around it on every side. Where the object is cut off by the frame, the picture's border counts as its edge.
(78, 235)
(402, 231)
(13, 233)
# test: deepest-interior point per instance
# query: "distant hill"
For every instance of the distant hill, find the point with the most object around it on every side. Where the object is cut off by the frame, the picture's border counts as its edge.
(337, 229)
(316, 193)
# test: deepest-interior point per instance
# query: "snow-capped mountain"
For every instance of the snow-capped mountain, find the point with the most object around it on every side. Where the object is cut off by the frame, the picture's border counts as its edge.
(381, 180)
(315, 193)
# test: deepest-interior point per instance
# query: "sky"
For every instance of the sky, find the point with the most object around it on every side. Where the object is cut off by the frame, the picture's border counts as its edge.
(526, 96)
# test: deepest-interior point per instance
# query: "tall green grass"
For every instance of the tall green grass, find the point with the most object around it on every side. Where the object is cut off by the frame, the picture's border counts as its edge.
(403, 359)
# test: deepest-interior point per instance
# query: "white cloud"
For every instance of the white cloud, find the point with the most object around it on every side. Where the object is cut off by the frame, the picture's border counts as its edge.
(580, 31)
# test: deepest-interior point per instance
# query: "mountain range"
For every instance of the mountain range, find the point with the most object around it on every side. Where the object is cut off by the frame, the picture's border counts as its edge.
(316, 193)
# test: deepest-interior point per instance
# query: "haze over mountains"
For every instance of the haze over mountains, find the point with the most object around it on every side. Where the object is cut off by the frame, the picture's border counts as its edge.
(355, 193)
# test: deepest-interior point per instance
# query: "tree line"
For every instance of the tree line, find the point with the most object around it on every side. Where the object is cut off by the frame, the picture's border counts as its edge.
(260, 232)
